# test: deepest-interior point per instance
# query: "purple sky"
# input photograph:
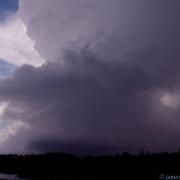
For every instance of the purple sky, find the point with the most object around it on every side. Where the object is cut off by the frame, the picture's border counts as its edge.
(92, 77)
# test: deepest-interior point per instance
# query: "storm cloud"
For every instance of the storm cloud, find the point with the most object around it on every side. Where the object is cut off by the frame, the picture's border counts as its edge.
(110, 82)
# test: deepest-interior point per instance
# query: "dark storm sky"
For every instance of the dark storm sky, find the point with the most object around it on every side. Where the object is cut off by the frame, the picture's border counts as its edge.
(111, 81)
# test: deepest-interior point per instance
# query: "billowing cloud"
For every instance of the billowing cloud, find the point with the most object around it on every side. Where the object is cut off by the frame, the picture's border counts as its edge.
(108, 105)
(15, 46)
(110, 82)
(77, 23)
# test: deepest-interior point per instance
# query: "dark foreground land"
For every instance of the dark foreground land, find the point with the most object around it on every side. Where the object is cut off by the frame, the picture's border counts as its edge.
(63, 166)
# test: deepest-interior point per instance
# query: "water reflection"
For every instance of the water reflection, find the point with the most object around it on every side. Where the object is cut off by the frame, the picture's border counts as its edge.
(9, 177)
(15, 177)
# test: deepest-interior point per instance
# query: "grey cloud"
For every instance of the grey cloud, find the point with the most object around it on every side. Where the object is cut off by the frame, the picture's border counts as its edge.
(88, 100)
(105, 74)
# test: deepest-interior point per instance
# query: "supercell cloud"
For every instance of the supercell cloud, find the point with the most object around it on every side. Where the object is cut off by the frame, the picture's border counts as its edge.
(110, 81)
